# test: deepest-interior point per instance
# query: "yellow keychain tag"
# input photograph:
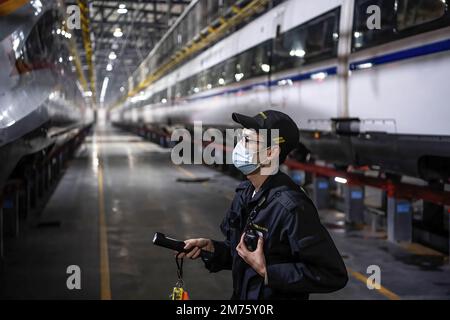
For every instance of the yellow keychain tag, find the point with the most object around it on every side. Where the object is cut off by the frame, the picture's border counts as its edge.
(178, 292)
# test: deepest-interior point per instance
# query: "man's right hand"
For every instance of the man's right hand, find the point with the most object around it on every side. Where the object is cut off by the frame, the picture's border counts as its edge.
(197, 245)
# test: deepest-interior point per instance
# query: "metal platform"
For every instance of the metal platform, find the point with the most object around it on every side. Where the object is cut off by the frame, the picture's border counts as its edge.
(120, 189)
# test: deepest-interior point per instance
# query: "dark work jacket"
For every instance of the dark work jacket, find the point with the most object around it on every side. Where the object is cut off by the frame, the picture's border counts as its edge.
(301, 257)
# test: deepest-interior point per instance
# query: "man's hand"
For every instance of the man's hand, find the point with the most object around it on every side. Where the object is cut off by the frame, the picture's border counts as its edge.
(254, 259)
(197, 245)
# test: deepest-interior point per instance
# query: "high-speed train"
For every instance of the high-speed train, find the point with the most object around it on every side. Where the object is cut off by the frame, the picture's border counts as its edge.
(365, 80)
(41, 104)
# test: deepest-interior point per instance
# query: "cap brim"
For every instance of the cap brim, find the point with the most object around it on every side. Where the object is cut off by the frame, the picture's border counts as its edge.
(246, 121)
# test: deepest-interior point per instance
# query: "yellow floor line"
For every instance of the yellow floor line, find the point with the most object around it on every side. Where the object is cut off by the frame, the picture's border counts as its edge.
(105, 283)
(418, 249)
(384, 291)
(186, 172)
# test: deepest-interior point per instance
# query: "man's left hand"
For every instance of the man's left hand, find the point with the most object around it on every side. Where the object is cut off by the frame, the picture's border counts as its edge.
(254, 259)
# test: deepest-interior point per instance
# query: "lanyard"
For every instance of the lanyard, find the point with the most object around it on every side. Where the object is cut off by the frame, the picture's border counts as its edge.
(251, 217)
(179, 262)
(178, 292)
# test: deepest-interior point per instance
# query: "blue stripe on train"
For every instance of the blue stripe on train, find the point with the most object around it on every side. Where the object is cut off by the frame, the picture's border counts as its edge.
(295, 78)
(374, 61)
(404, 54)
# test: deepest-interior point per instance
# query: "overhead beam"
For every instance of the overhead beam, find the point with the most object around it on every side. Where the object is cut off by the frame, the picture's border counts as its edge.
(145, 11)
(139, 24)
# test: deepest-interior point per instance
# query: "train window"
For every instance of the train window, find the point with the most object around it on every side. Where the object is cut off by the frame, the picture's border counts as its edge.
(399, 19)
(164, 96)
(196, 83)
(40, 43)
(244, 66)
(228, 72)
(178, 93)
(312, 41)
(260, 63)
(414, 13)
(203, 80)
(185, 87)
(362, 35)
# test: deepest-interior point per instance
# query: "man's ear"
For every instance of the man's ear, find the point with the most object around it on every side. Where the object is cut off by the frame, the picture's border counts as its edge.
(271, 166)
(274, 152)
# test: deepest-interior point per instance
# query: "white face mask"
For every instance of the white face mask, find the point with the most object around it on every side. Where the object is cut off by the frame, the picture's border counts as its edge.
(243, 159)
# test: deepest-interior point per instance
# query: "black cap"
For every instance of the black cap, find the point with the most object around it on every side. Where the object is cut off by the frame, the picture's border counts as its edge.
(289, 136)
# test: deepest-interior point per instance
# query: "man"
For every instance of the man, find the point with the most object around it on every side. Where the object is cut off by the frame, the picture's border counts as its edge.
(294, 255)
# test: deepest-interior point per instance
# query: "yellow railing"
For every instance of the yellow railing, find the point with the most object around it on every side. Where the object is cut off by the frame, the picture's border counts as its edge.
(8, 7)
(86, 34)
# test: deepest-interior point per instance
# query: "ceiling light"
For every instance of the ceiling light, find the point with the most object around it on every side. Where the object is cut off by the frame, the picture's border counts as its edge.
(265, 67)
(297, 53)
(365, 65)
(112, 55)
(122, 9)
(319, 76)
(238, 76)
(340, 180)
(118, 33)
(103, 92)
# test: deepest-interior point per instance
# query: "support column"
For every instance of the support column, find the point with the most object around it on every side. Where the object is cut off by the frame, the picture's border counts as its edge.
(354, 204)
(321, 192)
(399, 220)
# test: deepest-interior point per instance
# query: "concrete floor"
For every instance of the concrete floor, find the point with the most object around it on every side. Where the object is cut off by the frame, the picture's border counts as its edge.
(138, 185)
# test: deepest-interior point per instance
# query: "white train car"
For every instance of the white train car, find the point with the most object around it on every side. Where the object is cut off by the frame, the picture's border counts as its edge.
(360, 96)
